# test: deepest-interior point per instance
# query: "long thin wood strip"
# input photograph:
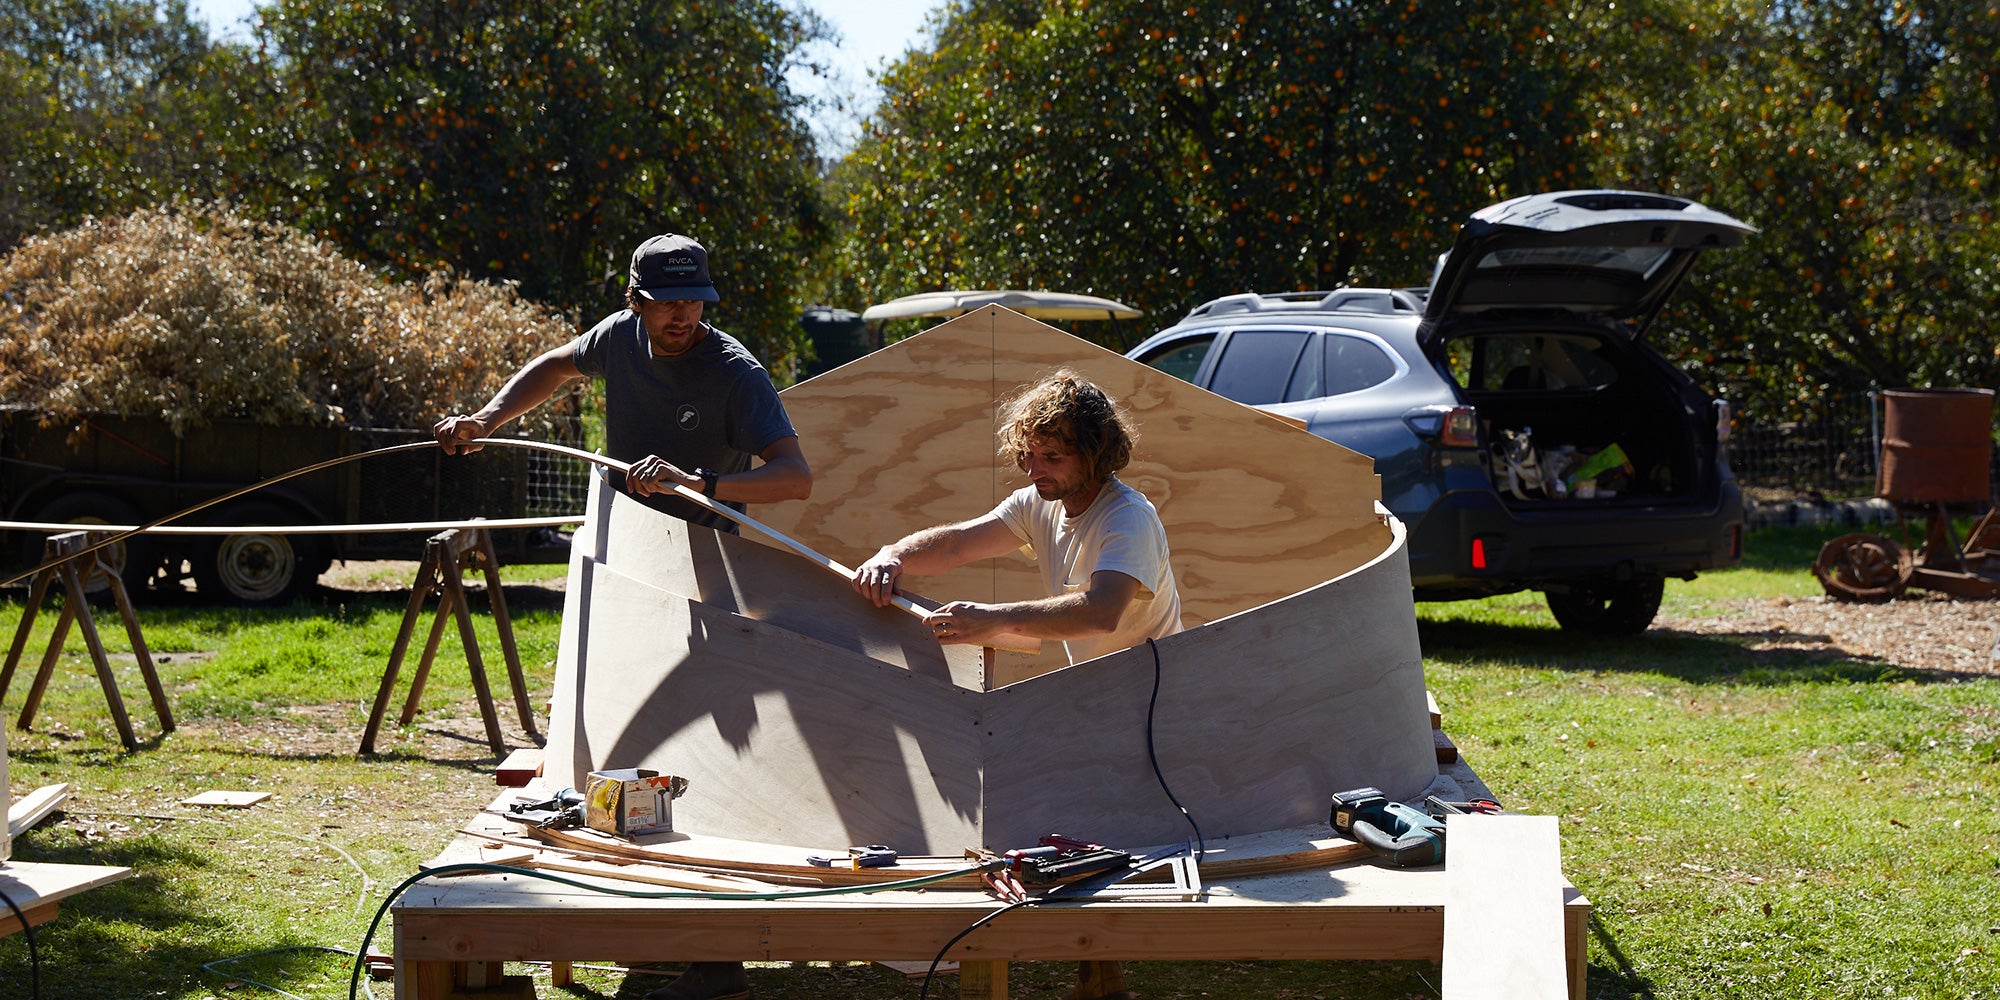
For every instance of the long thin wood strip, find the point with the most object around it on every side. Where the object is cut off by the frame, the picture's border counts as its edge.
(1342, 853)
(629, 859)
(905, 868)
(1273, 864)
(652, 875)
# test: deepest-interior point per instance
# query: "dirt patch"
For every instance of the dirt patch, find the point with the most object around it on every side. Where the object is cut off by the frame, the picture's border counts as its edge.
(383, 575)
(1921, 630)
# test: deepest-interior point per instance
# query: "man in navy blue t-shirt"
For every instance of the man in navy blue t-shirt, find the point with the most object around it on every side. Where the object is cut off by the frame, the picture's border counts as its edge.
(684, 403)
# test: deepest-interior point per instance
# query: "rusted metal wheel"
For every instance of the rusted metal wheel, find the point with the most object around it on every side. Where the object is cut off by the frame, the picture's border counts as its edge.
(1863, 568)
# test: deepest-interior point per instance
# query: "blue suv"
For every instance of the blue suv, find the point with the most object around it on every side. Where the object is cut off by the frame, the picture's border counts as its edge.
(1522, 427)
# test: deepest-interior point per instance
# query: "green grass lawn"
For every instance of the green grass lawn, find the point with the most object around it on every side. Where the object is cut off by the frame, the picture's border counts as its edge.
(1745, 822)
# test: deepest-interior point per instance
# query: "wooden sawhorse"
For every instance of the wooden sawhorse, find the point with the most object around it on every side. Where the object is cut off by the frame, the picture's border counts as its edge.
(447, 555)
(63, 554)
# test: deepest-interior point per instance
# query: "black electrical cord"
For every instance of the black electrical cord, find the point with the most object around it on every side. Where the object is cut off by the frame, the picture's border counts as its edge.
(1198, 845)
(34, 956)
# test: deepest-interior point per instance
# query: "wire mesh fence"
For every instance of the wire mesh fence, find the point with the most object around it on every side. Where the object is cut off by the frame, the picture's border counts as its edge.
(1833, 455)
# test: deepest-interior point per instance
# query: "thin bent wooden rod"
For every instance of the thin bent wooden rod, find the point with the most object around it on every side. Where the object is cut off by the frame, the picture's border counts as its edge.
(724, 510)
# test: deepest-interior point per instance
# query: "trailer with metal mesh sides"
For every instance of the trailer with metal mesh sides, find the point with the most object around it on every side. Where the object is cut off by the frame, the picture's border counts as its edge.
(128, 471)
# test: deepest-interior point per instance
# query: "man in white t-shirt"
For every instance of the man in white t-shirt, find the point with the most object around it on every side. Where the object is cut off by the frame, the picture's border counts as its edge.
(1099, 543)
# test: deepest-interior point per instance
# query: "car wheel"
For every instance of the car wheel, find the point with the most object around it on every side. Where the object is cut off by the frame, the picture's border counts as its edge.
(256, 568)
(134, 559)
(1609, 609)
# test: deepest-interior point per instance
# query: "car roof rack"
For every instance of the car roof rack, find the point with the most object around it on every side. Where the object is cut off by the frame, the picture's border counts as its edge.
(1382, 301)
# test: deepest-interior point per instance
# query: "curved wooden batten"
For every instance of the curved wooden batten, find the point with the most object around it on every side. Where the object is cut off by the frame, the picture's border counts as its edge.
(804, 715)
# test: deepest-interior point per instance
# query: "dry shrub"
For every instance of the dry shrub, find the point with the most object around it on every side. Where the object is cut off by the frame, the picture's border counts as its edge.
(191, 314)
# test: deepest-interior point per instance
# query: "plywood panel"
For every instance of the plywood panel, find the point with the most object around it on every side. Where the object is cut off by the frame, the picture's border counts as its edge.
(790, 739)
(1260, 717)
(1504, 909)
(773, 586)
(784, 738)
(1255, 509)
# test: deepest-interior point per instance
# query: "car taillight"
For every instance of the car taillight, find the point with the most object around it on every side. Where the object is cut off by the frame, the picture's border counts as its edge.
(1479, 553)
(1460, 428)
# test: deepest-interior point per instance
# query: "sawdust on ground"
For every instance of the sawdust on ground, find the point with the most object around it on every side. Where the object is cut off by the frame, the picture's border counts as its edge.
(1922, 630)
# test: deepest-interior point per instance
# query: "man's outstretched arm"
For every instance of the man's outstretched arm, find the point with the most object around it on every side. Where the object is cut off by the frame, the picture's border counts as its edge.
(930, 552)
(1094, 610)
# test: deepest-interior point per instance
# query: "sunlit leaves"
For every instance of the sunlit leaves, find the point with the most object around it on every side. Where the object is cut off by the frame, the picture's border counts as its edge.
(541, 143)
(1167, 155)
(1859, 136)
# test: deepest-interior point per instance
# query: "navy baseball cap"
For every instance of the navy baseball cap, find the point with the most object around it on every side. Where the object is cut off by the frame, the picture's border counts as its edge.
(671, 268)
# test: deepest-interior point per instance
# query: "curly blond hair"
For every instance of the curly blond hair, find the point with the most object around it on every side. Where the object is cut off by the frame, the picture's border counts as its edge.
(1068, 408)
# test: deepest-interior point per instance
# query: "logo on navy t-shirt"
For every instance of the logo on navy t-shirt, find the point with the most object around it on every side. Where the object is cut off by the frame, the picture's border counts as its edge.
(687, 417)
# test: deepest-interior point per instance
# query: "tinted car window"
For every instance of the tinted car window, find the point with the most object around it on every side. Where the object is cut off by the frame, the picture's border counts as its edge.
(1353, 364)
(1183, 359)
(1257, 365)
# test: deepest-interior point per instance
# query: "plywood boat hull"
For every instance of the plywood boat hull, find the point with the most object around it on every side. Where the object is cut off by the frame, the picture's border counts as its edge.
(803, 715)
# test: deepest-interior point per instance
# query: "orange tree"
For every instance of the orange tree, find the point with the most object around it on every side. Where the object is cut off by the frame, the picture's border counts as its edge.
(540, 143)
(1164, 154)
(1863, 138)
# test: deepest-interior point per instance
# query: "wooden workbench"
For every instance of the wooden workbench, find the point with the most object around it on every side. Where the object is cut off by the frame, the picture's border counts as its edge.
(36, 888)
(454, 931)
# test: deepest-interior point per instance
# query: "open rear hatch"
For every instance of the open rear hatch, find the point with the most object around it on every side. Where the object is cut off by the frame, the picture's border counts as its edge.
(1539, 309)
(1614, 255)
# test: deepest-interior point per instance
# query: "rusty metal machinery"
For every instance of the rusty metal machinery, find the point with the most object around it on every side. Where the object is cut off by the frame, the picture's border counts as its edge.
(1937, 451)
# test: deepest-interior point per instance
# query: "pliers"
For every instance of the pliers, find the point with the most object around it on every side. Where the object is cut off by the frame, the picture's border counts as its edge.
(1439, 808)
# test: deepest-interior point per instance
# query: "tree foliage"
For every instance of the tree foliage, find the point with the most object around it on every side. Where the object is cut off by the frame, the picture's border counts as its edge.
(192, 313)
(1863, 138)
(1167, 154)
(107, 105)
(541, 142)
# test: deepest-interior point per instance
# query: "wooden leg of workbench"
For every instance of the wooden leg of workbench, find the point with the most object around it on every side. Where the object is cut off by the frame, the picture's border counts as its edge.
(489, 563)
(982, 980)
(423, 980)
(1576, 935)
(561, 974)
(36, 687)
(161, 709)
(423, 671)
(420, 591)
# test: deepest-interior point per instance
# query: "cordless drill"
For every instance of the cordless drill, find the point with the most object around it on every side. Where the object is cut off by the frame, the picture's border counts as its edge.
(1398, 834)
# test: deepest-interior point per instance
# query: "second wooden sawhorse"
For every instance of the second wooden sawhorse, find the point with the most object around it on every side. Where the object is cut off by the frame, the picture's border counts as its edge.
(447, 555)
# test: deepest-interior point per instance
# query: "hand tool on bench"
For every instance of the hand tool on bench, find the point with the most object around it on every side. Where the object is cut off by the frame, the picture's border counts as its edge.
(1440, 808)
(871, 856)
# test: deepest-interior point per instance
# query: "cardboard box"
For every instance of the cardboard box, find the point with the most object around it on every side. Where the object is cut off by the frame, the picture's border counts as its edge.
(630, 801)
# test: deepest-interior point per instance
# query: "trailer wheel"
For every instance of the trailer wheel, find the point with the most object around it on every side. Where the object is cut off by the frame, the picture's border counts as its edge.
(1611, 609)
(256, 568)
(135, 559)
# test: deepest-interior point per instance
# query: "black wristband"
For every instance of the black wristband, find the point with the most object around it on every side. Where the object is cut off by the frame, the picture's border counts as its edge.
(708, 478)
